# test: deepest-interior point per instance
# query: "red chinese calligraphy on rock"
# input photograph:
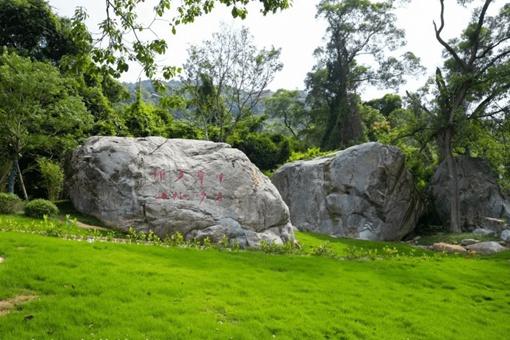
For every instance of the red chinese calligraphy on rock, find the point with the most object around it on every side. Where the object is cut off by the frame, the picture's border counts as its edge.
(158, 174)
(219, 197)
(201, 176)
(203, 196)
(163, 196)
(180, 175)
(180, 196)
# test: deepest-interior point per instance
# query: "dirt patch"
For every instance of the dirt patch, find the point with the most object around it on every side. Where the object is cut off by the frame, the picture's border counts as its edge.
(90, 227)
(9, 304)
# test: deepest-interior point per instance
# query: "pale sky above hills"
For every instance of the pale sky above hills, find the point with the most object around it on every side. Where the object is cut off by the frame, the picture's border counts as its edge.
(295, 30)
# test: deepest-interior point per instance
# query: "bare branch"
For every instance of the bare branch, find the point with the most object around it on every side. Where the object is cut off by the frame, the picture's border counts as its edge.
(481, 19)
(444, 43)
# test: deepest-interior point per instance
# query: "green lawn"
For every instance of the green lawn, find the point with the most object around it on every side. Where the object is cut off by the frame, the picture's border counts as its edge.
(108, 290)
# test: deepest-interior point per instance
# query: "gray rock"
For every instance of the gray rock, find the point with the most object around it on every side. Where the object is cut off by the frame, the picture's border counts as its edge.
(198, 188)
(484, 232)
(505, 235)
(482, 202)
(362, 192)
(469, 241)
(490, 247)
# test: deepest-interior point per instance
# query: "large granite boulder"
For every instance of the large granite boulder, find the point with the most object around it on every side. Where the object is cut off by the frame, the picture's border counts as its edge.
(362, 192)
(198, 188)
(482, 203)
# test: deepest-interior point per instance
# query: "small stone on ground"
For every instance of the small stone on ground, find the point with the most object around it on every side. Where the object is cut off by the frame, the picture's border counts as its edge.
(490, 247)
(483, 232)
(449, 248)
(468, 242)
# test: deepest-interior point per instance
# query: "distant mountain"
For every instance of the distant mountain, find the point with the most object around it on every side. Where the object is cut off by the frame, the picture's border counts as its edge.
(150, 95)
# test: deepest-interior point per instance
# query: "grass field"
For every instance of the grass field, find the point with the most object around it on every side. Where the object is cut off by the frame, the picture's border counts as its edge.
(104, 290)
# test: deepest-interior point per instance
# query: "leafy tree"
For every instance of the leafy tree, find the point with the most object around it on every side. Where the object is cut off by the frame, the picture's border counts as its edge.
(39, 110)
(122, 19)
(290, 109)
(226, 77)
(29, 28)
(471, 91)
(387, 104)
(355, 28)
(143, 119)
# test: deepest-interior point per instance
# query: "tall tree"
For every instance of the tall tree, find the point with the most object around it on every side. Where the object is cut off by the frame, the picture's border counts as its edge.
(473, 84)
(227, 75)
(355, 28)
(39, 109)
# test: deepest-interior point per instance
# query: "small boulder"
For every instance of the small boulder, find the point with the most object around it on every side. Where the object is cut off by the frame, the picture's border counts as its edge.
(484, 232)
(505, 235)
(363, 192)
(490, 247)
(449, 248)
(469, 241)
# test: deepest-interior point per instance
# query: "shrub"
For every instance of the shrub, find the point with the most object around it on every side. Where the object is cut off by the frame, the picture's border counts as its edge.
(9, 203)
(265, 150)
(39, 207)
(311, 153)
(52, 177)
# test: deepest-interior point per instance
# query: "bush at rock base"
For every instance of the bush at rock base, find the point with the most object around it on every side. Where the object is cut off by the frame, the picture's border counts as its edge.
(40, 207)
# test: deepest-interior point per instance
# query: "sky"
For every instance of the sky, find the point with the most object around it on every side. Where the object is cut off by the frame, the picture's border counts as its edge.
(296, 31)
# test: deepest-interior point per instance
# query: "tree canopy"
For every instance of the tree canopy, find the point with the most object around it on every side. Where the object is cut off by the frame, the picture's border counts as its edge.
(355, 28)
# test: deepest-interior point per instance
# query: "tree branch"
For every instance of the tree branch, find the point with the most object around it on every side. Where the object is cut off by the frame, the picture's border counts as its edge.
(476, 36)
(444, 43)
(483, 104)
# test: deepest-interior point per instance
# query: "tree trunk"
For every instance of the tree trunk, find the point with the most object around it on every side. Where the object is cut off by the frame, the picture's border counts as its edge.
(453, 182)
(351, 129)
(21, 180)
(327, 142)
(12, 179)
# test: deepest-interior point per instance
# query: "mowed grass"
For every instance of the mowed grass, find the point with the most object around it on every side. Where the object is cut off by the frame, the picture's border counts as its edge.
(134, 291)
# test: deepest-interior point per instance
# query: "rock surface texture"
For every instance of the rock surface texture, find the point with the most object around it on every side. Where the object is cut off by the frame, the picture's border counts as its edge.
(198, 188)
(362, 192)
(482, 204)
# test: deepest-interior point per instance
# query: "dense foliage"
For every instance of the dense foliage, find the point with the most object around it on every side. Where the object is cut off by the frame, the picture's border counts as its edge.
(9, 203)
